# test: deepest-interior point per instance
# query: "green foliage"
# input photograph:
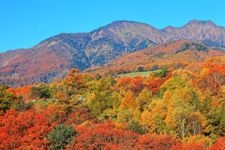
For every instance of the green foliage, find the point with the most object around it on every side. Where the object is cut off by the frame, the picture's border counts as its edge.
(172, 84)
(41, 91)
(160, 126)
(100, 95)
(60, 136)
(8, 101)
(124, 115)
(134, 74)
(20, 105)
(194, 46)
(43, 103)
(136, 127)
(217, 121)
(162, 73)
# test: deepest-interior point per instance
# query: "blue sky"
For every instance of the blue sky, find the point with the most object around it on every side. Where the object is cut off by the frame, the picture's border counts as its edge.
(24, 23)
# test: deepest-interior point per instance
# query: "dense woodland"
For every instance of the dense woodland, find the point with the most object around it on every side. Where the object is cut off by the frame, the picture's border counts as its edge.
(169, 109)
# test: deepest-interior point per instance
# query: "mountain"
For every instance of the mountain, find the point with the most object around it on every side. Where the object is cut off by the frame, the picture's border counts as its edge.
(174, 55)
(55, 56)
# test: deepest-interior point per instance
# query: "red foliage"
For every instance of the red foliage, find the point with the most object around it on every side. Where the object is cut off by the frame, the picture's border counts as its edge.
(159, 142)
(101, 136)
(23, 130)
(135, 84)
(217, 68)
(190, 146)
(107, 136)
(154, 83)
(219, 145)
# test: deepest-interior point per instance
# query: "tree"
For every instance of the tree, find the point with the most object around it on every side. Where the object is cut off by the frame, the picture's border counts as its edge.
(60, 136)
(162, 73)
(144, 98)
(6, 99)
(9, 101)
(100, 95)
(41, 91)
(140, 69)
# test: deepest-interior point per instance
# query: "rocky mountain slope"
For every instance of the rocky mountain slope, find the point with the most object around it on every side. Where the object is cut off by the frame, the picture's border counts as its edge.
(54, 57)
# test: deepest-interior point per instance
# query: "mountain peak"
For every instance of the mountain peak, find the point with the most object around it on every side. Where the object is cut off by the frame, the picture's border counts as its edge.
(201, 22)
(120, 23)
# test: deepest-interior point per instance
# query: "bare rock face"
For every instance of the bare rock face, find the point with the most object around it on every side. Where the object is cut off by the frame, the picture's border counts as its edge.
(55, 56)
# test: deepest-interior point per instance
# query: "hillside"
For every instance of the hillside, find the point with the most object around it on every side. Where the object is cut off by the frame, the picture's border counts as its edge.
(174, 55)
(55, 56)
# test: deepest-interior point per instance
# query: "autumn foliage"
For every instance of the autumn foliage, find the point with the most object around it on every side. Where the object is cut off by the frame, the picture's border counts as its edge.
(177, 109)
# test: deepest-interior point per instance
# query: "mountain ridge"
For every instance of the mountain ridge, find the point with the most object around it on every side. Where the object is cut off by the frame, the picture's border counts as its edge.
(55, 56)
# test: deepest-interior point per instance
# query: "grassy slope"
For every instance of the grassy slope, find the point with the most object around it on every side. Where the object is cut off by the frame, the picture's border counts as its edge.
(142, 73)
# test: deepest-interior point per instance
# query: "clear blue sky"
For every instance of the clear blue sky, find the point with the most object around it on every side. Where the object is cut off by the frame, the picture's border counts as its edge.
(24, 23)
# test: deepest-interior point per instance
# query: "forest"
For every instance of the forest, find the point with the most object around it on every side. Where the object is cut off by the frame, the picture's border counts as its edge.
(168, 109)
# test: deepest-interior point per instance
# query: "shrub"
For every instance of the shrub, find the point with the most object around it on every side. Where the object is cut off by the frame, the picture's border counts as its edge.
(41, 91)
(162, 73)
(61, 136)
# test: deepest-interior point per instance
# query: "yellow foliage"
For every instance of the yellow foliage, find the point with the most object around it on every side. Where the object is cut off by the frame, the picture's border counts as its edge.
(197, 139)
(204, 72)
(128, 101)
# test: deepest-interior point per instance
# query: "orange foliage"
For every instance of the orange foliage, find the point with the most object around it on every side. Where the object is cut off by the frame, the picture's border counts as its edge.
(78, 116)
(128, 101)
(135, 84)
(124, 83)
(21, 91)
(213, 79)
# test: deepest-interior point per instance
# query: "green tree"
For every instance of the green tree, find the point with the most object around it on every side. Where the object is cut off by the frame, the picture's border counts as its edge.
(61, 136)
(100, 95)
(41, 91)
(6, 99)
(162, 73)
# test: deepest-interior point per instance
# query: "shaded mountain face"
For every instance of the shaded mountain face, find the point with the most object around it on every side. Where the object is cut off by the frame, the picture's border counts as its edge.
(174, 55)
(54, 57)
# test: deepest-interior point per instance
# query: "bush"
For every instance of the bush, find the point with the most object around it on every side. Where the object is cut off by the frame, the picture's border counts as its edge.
(61, 136)
(163, 73)
(6, 99)
(41, 91)
(140, 69)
